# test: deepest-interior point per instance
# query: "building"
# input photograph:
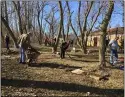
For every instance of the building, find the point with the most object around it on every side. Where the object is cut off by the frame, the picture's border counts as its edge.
(94, 37)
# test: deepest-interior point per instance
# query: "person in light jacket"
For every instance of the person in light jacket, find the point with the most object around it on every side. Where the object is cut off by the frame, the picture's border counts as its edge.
(113, 46)
(24, 43)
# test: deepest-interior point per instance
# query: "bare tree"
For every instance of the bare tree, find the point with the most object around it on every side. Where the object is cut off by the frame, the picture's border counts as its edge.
(60, 26)
(70, 23)
(9, 31)
(103, 27)
(18, 8)
(122, 4)
(40, 15)
(67, 27)
(63, 30)
(50, 19)
(85, 28)
(6, 12)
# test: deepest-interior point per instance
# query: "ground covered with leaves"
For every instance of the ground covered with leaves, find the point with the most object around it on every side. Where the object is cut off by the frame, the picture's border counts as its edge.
(52, 76)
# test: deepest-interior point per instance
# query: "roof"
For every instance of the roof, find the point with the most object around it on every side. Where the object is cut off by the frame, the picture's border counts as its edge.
(119, 30)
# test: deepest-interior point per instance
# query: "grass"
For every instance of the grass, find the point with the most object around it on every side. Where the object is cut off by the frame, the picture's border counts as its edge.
(52, 76)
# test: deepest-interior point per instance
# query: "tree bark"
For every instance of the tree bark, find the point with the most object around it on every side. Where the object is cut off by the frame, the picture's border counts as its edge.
(17, 7)
(67, 34)
(39, 28)
(70, 23)
(84, 28)
(63, 33)
(6, 13)
(9, 31)
(60, 26)
(104, 26)
(2, 38)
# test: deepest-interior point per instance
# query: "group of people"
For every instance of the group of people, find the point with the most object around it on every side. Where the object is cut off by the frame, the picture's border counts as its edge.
(24, 44)
(49, 42)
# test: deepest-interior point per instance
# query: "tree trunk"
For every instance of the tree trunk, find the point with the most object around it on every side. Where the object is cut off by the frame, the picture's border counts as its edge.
(116, 32)
(103, 26)
(52, 30)
(67, 34)
(63, 33)
(60, 26)
(6, 13)
(2, 39)
(39, 28)
(9, 31)
(102, 50)
(17, 7)
(25, 12)
(19, 17)
(85, 48)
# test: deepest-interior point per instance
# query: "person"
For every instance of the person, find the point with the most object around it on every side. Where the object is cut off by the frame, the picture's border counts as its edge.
(7, 40)
(95, 41)
(63, 47)
(113, 46)
(53, 45)
(71, 43)
(54, 40)
(24, 43)
(46, 41)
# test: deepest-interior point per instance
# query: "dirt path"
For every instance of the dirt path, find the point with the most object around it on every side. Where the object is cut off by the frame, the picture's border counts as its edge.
(53, 77)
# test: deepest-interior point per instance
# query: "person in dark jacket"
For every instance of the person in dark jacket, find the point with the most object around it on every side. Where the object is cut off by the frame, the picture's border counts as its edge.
(7, 40)
(63, 48)
(71, 43)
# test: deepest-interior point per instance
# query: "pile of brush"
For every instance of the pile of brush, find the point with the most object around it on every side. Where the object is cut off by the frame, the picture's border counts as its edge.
(32, 55)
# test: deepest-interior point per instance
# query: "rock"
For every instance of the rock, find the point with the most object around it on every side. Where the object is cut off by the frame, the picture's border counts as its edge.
(88, 93)
(77, 71)
(73, 50)
(58, 53)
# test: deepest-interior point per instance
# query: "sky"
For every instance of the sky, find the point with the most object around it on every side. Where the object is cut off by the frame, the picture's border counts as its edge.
(116, 18)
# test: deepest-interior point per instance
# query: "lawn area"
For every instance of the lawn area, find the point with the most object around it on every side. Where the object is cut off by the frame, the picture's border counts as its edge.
(52, 76)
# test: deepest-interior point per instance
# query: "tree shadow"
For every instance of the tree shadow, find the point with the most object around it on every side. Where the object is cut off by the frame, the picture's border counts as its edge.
(82, 60)
(86, 56)
(86, 60)
(72, 87)
(117, 66)
(55, 65)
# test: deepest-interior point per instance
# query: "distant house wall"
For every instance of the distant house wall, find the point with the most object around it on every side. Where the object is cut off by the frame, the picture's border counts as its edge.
(94, 37)
(111, 34)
